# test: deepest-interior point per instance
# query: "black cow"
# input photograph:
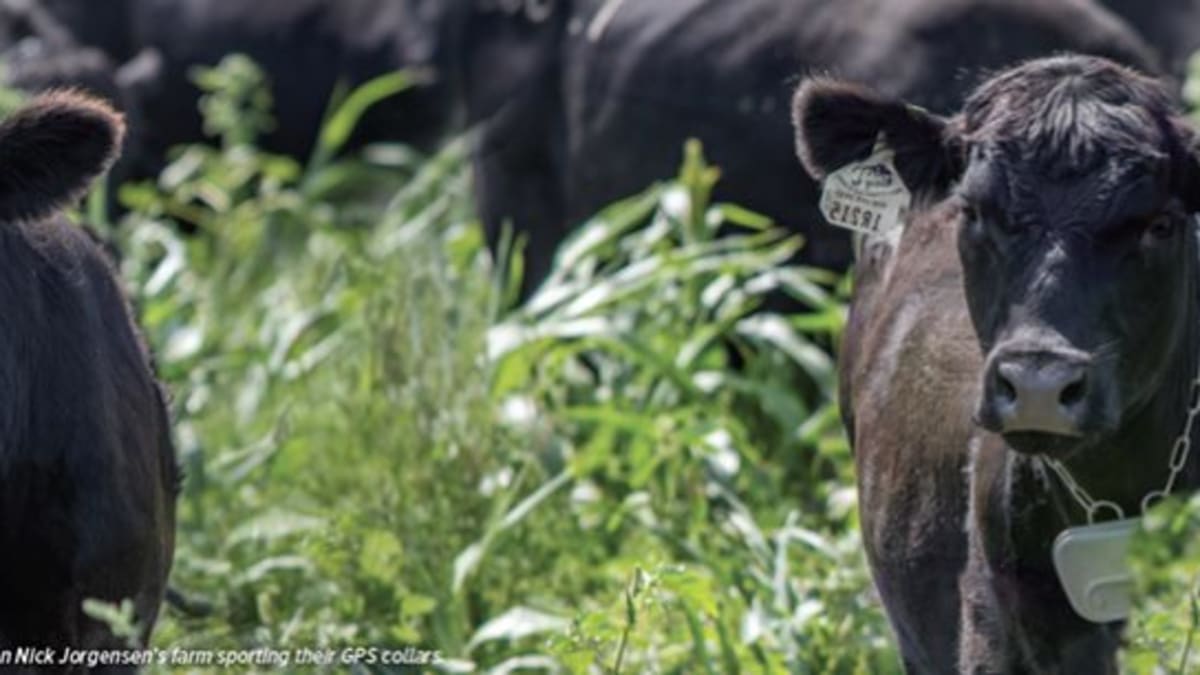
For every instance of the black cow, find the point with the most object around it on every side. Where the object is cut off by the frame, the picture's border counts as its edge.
(87, 471)
(1041, 303)
(577, 103)
(1171, 27)
(630, 80)
(650, 74)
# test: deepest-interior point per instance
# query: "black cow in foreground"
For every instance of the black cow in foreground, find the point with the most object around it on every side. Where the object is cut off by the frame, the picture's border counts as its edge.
(578, 103)
(87, 471)
(1041, 302)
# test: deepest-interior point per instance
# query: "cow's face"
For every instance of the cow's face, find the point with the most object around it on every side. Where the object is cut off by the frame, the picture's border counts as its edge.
(1077, 248)
(1075, 188)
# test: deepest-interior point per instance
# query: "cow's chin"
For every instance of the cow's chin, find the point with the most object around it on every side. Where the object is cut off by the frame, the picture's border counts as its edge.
(1051, 446)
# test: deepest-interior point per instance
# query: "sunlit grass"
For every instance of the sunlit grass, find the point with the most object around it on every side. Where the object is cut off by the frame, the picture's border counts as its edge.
(637, 468)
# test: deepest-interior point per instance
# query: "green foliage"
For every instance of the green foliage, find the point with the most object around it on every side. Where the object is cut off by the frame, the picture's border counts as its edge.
(10, 98)
(1166, 560)
(689, 473)
(638, 468)
(120, 619)
(236, 103)
(336, 131)
(1165, 628)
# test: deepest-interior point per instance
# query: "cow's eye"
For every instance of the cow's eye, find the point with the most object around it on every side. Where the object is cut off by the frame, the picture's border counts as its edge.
(1006, 225)
(970, 212)
(972, 220)
(1161, 226)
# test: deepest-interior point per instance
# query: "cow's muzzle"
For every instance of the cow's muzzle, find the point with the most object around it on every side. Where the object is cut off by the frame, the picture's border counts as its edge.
(1042, 391)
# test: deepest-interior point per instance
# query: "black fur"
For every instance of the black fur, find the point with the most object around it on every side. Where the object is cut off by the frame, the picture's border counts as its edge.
(88, 477)
(51, 150)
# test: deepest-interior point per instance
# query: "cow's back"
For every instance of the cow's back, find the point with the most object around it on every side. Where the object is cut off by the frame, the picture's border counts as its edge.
(641, 80)
(307, 48)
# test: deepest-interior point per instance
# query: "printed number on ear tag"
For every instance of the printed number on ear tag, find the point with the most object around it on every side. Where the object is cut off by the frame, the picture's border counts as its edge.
(1093, 569)
(866, 196)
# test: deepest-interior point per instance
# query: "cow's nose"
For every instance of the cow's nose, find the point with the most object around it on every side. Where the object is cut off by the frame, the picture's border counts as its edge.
(1040, 391)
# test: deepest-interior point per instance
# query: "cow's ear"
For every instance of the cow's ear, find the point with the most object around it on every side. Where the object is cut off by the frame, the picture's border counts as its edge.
(838, 123)
(51, 149)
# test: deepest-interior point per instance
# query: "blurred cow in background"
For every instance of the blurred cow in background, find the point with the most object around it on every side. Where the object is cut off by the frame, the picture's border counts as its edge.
(575, 103)
(145, 49)
(1171, 27)
(641, 80)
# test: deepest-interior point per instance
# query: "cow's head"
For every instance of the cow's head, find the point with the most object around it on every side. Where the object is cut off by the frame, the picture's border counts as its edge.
(1075, 182)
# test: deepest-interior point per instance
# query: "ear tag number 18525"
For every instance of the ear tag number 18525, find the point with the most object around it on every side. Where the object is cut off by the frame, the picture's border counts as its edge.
(867, 196)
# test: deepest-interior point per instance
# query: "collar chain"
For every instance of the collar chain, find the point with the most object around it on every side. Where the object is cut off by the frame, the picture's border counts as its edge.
(1179, 457)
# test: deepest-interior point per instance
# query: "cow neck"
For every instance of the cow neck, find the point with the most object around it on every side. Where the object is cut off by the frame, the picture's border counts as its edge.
(1134, 466)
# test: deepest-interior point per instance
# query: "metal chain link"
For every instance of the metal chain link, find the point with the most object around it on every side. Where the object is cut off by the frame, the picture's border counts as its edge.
(1090, 505)
(1179, 457)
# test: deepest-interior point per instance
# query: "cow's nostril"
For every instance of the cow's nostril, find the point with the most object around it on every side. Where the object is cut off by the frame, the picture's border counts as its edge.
(1005, 391)
(1073, 393)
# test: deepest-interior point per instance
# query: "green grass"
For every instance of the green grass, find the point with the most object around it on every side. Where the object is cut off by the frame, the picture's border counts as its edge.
(384, 448)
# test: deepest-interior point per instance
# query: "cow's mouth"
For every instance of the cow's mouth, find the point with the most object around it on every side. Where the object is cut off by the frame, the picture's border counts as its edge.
(1054, 446)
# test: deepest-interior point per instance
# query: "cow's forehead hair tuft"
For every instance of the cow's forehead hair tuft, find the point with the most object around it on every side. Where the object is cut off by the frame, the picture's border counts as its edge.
(1071, 115)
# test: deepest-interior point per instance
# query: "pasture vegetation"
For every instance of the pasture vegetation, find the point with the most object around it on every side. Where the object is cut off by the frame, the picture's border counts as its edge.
(383, 447)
